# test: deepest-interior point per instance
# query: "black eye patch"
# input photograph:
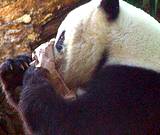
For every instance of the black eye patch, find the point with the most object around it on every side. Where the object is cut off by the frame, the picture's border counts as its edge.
(59, 45)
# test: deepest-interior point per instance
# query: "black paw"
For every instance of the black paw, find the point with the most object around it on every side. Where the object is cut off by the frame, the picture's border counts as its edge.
(12, 71)
(35, 74)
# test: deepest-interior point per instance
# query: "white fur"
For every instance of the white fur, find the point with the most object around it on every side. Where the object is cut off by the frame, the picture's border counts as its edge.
(136, 36)
(132, 39)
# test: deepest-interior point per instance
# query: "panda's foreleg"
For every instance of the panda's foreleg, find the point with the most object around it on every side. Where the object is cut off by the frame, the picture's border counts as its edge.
(41, 108)
(11, 76)
(45, 112)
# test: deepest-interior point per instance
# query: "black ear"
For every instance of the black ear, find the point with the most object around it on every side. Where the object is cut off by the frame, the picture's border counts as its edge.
(111, 7)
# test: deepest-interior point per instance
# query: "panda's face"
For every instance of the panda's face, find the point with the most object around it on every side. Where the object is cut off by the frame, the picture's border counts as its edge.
(81, 40)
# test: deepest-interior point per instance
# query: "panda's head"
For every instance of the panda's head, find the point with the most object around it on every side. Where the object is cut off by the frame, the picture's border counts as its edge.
(81, 39)
(125, 34)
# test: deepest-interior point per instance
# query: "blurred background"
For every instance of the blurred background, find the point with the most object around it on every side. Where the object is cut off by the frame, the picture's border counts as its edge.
(23, 27)
(151, 6)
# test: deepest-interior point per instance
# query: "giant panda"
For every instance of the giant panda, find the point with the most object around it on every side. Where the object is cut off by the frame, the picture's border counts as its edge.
(110, 50)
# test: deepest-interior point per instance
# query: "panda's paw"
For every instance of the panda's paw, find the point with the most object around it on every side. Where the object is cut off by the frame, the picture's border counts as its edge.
(35, 75)
(12, 71)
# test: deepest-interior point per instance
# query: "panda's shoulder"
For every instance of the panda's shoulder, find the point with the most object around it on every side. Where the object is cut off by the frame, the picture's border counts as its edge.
(118, 77)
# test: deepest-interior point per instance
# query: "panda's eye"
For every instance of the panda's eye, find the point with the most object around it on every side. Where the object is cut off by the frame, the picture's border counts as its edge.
(59, 45)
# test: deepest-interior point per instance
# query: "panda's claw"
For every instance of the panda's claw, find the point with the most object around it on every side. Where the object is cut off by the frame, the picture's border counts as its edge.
(26, 64)
(24, 59)
(22, 62)
(17, 65)
(22, 67)
(11, 67)
(6, 66)
(12, 71)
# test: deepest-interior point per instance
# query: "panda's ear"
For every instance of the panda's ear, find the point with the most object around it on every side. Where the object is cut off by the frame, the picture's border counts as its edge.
(111, 7)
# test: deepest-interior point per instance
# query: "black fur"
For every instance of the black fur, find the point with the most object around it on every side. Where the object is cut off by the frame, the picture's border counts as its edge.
(60, 45)
(111, 7)
(11, 75)
(120, 100)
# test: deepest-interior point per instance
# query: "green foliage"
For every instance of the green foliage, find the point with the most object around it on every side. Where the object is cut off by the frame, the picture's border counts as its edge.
(151, 5)
(154, 5)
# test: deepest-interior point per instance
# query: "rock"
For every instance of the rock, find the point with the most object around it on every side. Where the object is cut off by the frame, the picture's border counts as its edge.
(25, 24)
